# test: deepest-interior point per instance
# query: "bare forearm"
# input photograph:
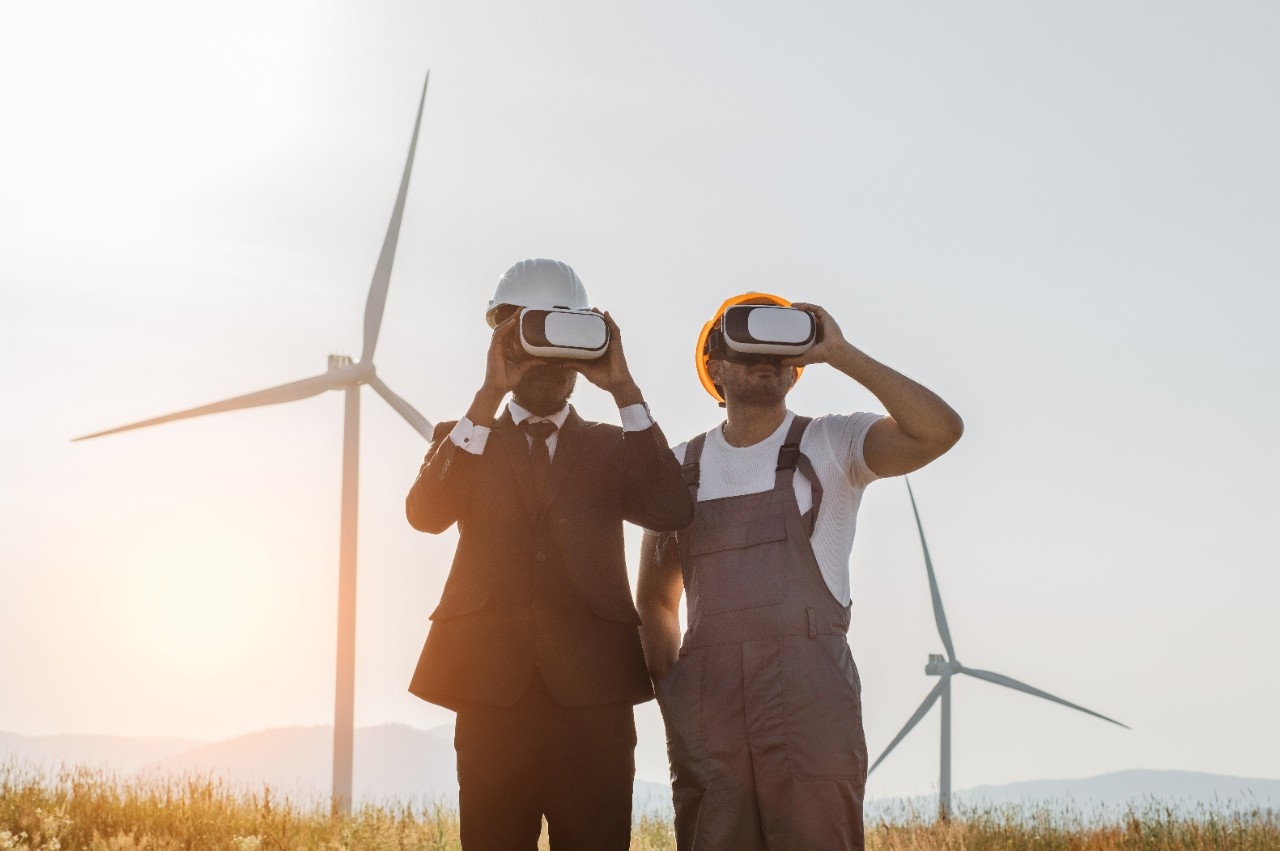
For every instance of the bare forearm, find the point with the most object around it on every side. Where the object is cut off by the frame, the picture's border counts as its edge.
(920, 413)
(660, 638)
(627, 393)
(485, 405)
(658, 591)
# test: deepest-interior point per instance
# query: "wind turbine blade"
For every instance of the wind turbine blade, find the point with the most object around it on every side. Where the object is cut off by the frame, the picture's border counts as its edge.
(377, 302)
(911, 722)
(420, 423)
(291, 392)
(939, 616)
(1009, 682)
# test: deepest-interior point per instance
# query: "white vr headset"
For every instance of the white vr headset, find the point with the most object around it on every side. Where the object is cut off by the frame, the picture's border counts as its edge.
(764, 329)
(560, 332)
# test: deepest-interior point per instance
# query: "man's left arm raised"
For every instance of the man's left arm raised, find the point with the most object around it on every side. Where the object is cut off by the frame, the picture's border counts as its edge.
(920, 426)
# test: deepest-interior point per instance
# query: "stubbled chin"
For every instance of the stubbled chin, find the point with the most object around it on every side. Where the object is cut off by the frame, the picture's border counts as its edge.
(763, 386)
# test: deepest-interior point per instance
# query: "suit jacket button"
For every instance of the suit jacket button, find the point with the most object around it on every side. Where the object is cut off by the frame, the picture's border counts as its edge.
(541, 556)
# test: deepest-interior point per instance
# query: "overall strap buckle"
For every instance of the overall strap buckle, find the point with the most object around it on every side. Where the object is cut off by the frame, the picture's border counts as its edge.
(691, 469)
(691, 473)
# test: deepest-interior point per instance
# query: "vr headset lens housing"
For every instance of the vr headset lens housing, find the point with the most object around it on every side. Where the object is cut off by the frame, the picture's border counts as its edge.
(562, 333)
(753, 330)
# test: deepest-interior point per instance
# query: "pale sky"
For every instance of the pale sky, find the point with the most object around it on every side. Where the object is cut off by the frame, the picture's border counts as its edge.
(1061, 216)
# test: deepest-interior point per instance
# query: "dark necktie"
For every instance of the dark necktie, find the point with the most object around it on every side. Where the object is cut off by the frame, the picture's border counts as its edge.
(540, 456)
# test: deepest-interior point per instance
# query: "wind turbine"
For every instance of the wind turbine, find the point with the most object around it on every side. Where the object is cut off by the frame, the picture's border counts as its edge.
(346, 376)
(946, 667)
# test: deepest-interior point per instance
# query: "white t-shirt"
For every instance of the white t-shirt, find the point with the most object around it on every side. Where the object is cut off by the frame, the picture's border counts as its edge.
(833, 444)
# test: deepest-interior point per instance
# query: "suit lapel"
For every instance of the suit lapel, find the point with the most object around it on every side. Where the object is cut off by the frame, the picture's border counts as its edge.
(515, 448)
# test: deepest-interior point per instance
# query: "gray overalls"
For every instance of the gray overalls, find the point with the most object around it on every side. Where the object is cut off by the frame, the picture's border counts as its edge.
(763, 707)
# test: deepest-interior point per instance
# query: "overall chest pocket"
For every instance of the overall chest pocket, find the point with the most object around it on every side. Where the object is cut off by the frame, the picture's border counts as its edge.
(739, 563)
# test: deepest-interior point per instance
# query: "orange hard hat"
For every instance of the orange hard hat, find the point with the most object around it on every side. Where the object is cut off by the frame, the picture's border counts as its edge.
(702, 355)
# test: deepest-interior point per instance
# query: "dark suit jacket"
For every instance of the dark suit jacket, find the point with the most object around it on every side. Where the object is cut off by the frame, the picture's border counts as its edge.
(544, 591)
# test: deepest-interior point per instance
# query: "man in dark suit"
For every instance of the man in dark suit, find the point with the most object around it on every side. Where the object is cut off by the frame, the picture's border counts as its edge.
(535, 641)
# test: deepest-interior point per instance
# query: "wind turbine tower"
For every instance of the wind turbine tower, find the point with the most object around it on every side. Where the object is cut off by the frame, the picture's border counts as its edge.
(946, 667)
(348, 376)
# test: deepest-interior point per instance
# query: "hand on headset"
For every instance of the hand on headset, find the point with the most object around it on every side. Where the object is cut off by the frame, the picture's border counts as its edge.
(830, 337)
(610, 372)
(504, 367)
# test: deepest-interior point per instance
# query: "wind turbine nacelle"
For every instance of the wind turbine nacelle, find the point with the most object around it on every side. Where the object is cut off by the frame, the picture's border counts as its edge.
(563, 333)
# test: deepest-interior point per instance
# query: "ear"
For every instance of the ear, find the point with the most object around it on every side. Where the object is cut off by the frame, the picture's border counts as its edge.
(714, 367)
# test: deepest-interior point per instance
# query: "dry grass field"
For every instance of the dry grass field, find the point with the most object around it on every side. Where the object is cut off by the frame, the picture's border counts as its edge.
(82, 809)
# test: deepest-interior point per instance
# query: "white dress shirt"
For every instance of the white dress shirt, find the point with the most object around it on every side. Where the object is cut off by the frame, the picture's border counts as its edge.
(468, 436)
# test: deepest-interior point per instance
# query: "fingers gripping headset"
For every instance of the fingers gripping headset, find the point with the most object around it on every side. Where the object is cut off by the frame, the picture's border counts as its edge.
(555, 320)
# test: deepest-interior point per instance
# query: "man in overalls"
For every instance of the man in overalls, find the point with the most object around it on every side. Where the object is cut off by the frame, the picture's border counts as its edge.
(761, 700)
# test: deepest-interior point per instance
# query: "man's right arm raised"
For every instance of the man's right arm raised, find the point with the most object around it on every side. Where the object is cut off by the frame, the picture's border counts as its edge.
(435, 501)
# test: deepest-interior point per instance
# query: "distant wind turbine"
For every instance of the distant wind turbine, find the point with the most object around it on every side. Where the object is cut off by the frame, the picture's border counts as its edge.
(945, 667)
(342, 375)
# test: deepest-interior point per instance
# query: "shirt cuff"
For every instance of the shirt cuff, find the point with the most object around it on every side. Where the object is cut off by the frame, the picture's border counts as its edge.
(635, 417)
(469, 437)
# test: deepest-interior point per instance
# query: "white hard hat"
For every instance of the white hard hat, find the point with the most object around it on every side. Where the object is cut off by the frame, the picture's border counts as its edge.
(538, 283)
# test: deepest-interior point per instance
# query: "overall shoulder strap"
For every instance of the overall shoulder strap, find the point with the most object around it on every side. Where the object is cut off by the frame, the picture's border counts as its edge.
(789, 452)
(790, 457)
(691, 472)
(691, 469)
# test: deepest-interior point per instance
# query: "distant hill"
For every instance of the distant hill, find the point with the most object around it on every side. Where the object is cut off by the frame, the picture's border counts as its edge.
(395, 762)
(121, 754)
(1184, 792)
(1184, 789)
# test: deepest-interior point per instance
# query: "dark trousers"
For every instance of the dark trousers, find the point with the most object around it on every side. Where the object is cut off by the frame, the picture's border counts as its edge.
(516, 764)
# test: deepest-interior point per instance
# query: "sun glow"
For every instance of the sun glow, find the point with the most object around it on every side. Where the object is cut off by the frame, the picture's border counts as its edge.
(196, 600)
